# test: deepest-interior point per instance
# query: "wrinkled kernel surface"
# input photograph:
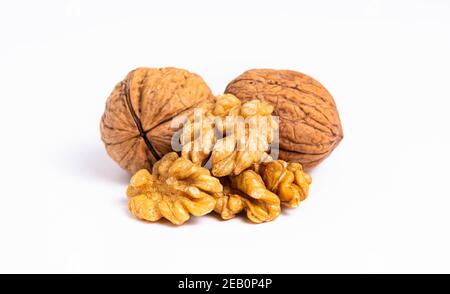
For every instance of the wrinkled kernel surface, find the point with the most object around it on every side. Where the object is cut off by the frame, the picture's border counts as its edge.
(174, 190)
(232, 134)
(287, 180)
(247, 192)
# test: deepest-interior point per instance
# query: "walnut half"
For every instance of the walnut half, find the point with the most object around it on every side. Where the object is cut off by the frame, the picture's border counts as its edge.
(233, 134)
(247, 192)
(287, 180)
(175, 189)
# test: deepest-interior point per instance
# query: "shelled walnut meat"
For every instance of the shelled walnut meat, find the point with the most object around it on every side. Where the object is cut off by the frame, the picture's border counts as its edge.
(234, 135)
(175, 189)
(310, 127)
(286, 179)
(136, 125)
(247, 192)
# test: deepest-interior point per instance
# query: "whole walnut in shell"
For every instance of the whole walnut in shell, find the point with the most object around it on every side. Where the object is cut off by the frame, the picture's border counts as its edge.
(309, 122)
(136, 125)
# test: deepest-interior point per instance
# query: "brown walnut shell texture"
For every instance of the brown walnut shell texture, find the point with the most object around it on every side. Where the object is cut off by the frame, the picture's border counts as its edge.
(310, 127)
(139, 112)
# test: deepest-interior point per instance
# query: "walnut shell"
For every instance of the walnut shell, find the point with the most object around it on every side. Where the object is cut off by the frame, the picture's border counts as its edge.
(135, 126)
(310, 127)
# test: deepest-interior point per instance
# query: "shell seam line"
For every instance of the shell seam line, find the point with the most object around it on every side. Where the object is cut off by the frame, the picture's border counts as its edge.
(138, 122)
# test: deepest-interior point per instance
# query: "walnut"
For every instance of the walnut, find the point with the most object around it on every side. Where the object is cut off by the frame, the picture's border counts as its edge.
(198, 140)
(247, 191)
(232, 134)
(175, 189)
(135, 126)
(287, 180)
(310, 127)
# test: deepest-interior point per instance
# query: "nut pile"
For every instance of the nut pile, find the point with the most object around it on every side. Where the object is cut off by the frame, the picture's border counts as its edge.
(192, 153)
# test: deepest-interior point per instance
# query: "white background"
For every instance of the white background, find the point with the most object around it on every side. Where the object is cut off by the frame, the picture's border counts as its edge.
(379, 204)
